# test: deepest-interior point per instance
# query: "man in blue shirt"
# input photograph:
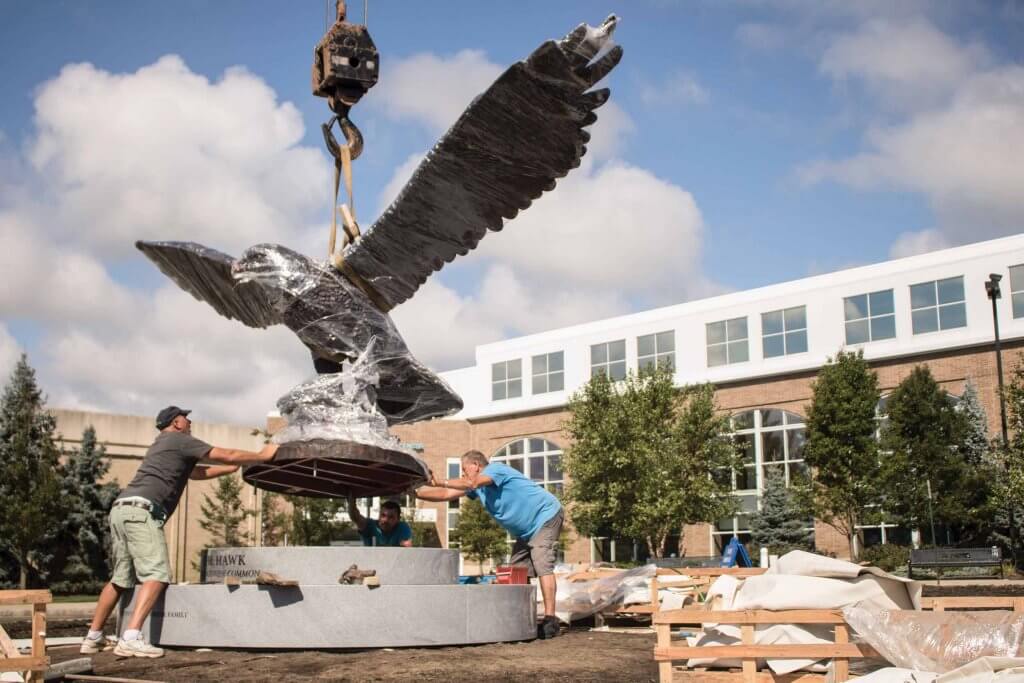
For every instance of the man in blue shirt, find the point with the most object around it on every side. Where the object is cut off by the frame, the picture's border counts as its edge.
(526, 510)
(387, 530)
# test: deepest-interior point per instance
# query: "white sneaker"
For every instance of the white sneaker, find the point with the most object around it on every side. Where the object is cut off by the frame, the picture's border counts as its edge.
(92, 647)
(137, 648)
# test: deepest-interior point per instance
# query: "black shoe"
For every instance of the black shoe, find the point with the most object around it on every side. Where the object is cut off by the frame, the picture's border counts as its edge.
(548, 628)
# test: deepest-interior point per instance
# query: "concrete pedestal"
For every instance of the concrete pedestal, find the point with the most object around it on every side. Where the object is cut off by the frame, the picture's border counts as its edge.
(419, 602)
(312, 617)
(323, 565)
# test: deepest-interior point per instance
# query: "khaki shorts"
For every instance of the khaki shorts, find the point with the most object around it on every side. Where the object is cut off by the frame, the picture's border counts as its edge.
(140, 550)
(538, 552)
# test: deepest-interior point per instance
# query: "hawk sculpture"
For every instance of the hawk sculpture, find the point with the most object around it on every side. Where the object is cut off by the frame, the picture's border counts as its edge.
(512, 144)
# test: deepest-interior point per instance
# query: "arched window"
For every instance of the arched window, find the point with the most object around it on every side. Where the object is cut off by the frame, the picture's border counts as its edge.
(767, 439)
(538, 459)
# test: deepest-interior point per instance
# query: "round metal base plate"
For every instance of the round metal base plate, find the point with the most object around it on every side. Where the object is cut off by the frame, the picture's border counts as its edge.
(335, 469)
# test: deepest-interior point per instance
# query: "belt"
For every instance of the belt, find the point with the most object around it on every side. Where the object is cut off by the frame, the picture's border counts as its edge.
(151, 508)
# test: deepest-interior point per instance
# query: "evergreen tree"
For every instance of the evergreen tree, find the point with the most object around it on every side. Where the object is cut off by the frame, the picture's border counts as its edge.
(1009, 467)
(313, 520)
(480, 538)
(86, 532)
(841, 446)
(923, 443)
(780, 524)
(275, 520)
(976, 445)
(223, 515)
(642, 458)
(32, 508)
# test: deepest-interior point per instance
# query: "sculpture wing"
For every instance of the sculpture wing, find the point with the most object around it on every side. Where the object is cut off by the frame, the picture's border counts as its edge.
(206, 274)
(509, 147)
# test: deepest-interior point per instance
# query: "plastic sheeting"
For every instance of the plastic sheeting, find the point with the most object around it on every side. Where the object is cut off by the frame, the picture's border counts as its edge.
(577, 600)
(938, 641)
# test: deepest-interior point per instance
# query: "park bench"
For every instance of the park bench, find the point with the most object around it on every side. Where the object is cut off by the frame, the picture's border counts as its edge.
(938, 558)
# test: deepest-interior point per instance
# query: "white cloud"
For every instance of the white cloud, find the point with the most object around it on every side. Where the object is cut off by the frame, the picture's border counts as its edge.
(10, 352)
(911, 63)
(920, 242)
(679, 89)
(164, 153)
(433, 89)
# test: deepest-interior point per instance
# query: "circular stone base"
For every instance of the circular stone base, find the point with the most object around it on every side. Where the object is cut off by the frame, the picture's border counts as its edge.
(335, 469)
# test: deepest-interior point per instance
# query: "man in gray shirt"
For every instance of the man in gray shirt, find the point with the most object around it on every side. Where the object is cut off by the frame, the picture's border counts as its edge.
(137, 520)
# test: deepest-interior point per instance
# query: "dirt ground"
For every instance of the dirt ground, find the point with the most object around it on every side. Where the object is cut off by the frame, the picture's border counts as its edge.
(577, 655)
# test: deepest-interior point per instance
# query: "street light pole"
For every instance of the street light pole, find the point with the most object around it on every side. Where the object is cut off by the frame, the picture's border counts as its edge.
(994, 293)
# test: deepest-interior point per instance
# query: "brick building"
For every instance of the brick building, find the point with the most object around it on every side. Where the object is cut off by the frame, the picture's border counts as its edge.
(762, 349)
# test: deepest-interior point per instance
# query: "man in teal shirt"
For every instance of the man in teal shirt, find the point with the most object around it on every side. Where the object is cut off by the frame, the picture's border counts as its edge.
(387, 530)
(525, 509)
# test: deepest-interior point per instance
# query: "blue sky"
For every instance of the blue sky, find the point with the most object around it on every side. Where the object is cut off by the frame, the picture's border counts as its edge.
(755, 141)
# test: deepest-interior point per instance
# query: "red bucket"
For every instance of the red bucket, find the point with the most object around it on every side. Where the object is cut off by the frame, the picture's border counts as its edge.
(511, 574)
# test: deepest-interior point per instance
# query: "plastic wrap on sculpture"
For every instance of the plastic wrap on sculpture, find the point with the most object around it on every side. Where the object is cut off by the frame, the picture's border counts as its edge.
(938, 641)
(346, 333)
(578, 600)
(339, 406)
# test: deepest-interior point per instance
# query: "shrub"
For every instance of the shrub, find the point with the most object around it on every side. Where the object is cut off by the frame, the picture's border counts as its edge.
(887, 557)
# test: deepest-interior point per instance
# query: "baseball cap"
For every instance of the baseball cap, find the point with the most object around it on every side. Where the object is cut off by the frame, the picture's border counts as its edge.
(167, 415)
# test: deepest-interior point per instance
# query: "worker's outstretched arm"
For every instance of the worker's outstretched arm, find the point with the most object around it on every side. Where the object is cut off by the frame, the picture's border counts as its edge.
(235, 456)
(201, 472)
(466, 482)
(437, 494)
(353, 514)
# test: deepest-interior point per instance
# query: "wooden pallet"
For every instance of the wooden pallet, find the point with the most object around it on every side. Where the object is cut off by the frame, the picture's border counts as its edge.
(841, 650)
(36, 663)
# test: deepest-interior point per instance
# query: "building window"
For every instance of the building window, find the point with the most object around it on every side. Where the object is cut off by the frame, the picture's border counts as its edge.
(869, 317)
(454, 471)
(938, 305)
(1017, 290)
(548, 372)
(766, 439)
(654, 349)
(784, 332)
(727, 342)
(610, 359)
(507, 380)
(537, 459)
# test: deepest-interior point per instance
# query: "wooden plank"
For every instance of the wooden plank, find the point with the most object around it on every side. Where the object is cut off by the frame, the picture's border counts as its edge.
(39, 630)
(722, 571)
(749, 663)
(940, 604)
(664, 632)
(734, 677)
(25, 597)
(636, 609)
(7, 647)
(105, 679)
(810, 651)
(794, 616)
(25, 663)
(841, 665)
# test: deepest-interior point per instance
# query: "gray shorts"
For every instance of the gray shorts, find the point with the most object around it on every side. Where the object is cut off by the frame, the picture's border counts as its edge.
(538, 552)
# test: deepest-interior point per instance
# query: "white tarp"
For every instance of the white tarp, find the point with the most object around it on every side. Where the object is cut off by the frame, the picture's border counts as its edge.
(802, 580)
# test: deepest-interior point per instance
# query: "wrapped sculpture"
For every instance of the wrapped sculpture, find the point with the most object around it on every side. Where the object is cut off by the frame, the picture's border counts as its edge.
(509, 147)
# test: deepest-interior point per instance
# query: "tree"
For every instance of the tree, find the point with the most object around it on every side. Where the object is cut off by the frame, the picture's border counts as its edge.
(480, 538)
(976, 444)
(223, 514)
(841, 446)
(30, 473)
(86, 529)
(275, 520)
(1008, 493)
(923, 443)
(780, 525)
(313, 520)
(642, 458)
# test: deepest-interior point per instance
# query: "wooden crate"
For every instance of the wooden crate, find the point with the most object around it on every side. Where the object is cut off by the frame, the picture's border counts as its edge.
(841, 650)
(36, 663)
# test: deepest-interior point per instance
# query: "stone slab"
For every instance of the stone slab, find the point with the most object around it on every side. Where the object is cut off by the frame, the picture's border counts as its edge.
(325, 617)
(323, 565)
